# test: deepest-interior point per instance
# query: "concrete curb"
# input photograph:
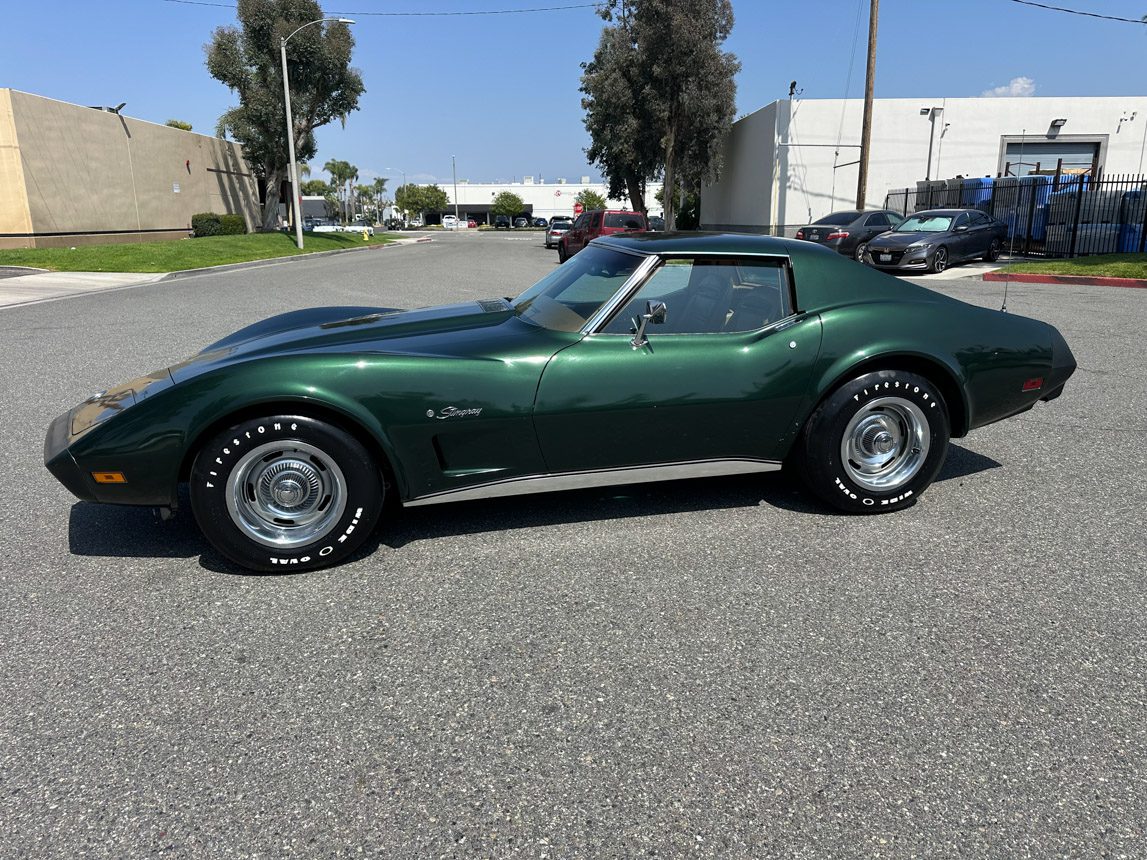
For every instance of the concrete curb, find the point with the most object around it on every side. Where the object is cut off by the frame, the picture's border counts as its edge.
(294, 258)
(1076, 280)
(16, 271)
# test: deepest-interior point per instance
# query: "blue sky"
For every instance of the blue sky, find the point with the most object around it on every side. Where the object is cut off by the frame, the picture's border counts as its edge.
(501, 91)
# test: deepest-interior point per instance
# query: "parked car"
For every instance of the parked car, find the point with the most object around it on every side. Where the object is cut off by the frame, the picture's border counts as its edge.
(656, 222)
(360, 225)
(450, 222)
(521, 222)
(847, 232)
(688, 354)
(936, 238)
(597, 222)
(471, 223)
(558, 228)
(501, 221)
(540, 222)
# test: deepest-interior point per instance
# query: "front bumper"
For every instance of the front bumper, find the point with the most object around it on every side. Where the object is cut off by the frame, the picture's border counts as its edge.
(899, 258)
(59, 460)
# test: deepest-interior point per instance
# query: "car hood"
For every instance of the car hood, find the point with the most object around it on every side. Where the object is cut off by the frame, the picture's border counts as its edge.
(893, 239)
(445, 330)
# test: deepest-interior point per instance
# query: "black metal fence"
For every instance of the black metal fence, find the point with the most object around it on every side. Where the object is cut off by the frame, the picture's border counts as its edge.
(1062, 215)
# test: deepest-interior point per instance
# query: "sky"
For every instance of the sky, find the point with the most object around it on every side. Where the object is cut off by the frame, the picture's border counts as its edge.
(500, 94)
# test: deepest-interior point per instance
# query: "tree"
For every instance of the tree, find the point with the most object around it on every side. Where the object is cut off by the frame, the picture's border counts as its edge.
(507, 203)
(178, 123)
(343, 174)
(623, 139)
(590, 199)
(323, 85)
(673, 96)
(421, 199)
(315, 188)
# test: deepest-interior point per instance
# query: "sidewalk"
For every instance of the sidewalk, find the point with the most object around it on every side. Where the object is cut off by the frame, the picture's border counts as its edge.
(45, 286)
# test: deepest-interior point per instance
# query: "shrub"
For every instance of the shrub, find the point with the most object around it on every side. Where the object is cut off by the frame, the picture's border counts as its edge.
(232, 225)
(205, 224)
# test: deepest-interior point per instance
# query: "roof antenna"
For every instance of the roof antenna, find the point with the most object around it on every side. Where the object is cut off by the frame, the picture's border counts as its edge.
(1015, 222)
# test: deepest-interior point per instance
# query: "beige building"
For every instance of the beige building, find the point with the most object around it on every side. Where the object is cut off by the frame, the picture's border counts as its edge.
(72, 175)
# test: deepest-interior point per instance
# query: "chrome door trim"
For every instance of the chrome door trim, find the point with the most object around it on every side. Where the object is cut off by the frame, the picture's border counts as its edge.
(598, 478)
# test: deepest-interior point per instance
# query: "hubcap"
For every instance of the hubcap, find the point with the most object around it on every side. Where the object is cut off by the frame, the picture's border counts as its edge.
(286, 494)
(941, 260)
(885, 444)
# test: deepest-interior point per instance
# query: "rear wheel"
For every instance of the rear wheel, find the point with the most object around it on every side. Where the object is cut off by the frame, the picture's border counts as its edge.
(859, 253)
(562, 255)
(876, 443)
(993, 252)
(939, 260)
(285, 491)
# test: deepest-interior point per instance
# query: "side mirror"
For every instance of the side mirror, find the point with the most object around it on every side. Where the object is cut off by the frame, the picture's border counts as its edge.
(963, 228)
(655, 312)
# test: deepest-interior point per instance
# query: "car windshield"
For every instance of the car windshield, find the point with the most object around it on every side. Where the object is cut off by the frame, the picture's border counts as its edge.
(839, 218)
(566, 298)
(925, 223)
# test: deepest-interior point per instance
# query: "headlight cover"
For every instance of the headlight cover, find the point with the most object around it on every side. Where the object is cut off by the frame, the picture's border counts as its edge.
(102, 406)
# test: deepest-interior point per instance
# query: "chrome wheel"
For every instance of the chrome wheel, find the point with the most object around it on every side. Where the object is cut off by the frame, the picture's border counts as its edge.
(286, 494)
(861, 250)
(885, 444)
(940, 260)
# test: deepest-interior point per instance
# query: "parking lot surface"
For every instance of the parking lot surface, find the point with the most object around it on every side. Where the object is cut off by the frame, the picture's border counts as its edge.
(711, 668)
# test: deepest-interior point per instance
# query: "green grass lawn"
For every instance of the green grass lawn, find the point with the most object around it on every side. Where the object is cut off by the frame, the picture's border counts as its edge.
(172, 256)
(1098, 266)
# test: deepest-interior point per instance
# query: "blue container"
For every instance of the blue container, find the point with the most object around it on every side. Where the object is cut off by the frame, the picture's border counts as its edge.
(976, 192)
(1129, 236)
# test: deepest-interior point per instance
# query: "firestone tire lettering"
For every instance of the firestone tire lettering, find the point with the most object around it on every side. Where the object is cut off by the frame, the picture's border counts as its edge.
(217, 458)
(819, 448)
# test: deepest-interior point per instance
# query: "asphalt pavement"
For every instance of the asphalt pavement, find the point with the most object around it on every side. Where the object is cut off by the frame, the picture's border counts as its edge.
(711, 668)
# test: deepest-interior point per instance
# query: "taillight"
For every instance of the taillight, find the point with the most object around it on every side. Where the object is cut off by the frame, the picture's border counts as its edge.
(842, 234)
(800, 234)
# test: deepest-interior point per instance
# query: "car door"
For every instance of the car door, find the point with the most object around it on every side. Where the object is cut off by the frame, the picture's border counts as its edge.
(981, 232)
(719, 380)
(875, 224)
(575, 238)
(961, 239)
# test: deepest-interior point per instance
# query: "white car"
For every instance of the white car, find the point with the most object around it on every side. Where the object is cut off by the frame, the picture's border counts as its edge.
(450, 222)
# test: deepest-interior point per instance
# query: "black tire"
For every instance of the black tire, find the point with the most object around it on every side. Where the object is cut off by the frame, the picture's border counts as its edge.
(876, 443)
(939, 261)
(858, 254)
(993, 252)
(285, 492)
(562, 255)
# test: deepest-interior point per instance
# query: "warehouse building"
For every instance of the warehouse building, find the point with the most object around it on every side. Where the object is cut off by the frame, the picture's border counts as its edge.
(71, 175)
(795, 160)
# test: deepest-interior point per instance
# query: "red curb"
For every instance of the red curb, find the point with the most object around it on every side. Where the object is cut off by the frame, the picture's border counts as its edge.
(1078, 280)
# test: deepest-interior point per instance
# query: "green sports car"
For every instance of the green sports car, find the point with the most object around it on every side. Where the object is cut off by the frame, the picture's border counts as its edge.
(645, 357)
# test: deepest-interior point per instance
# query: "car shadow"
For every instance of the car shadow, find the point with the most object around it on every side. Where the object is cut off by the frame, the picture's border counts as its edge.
(129, 532)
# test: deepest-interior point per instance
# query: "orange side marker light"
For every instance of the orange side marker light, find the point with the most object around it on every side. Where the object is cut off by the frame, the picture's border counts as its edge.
(109, 478)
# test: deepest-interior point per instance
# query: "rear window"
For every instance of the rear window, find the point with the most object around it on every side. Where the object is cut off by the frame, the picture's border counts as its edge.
(563, 223)
(624, 220)
(839, 218)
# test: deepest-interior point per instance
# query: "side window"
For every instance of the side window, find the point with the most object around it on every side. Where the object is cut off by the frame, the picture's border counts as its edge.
(878, 220)
(979, 219)
(579, 224)
(961, 220)
(710, 296)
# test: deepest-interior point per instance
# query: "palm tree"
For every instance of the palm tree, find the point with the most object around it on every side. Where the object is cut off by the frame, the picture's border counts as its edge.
(379, 188)
(343, 173)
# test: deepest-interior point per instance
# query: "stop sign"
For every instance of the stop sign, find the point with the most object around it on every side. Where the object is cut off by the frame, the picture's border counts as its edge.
(577, 208)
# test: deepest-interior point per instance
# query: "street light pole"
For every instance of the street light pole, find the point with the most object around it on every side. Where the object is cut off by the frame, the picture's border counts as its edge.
(296, 194)
(454, 168)
(931, 136)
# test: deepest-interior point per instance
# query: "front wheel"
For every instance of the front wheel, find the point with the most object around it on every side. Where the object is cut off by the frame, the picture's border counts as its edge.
(939, 260)
(876, 443)
(285, 491)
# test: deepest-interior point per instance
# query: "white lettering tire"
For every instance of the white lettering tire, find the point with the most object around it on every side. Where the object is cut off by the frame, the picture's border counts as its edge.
(285, 492)
(876, 443)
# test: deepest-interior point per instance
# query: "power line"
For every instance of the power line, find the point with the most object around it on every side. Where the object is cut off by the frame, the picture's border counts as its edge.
(1078, 12)
(412, 14)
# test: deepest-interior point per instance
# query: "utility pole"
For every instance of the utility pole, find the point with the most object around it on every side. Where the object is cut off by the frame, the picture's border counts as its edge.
(454, 170)
(866, 127)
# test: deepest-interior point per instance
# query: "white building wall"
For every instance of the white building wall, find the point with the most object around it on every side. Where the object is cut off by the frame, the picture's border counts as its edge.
(547, 199)
(801, 184)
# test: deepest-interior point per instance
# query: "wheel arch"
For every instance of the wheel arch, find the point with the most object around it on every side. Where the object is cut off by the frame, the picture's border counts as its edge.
(379, 448)
(932, 369)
